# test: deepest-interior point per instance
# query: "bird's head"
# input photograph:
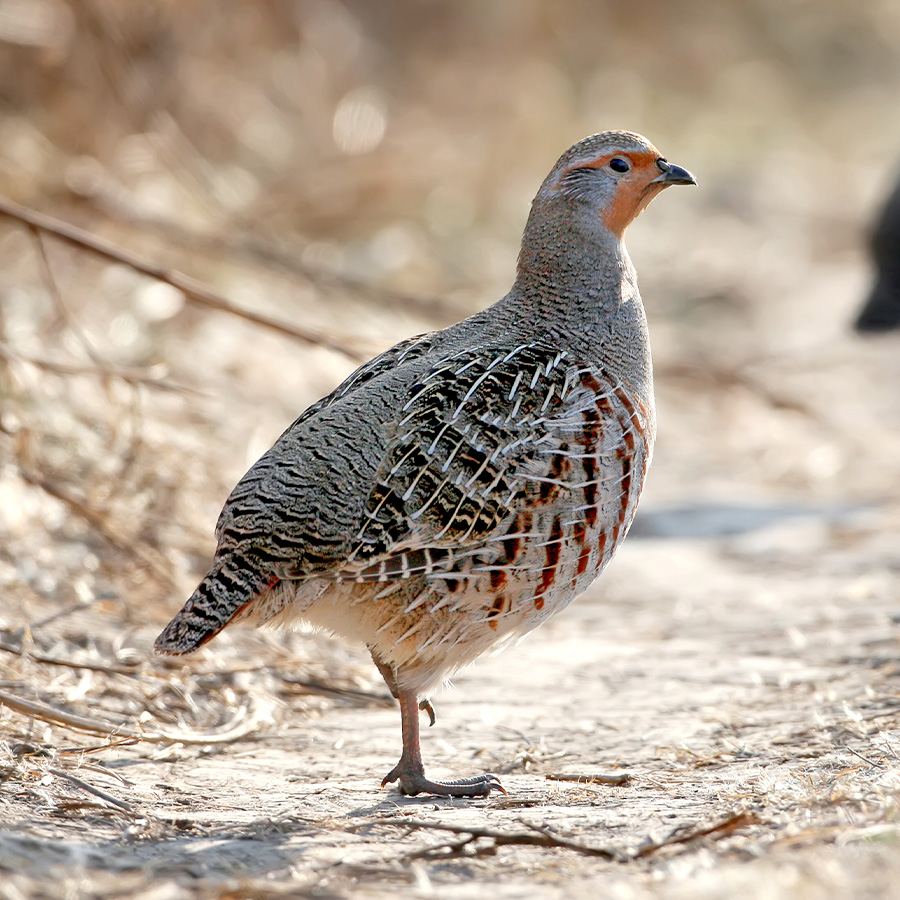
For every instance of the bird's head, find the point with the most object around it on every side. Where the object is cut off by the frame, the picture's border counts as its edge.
(606, 180)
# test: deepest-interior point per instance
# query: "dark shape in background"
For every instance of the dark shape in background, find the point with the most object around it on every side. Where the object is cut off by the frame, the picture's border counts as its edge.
(882, 309)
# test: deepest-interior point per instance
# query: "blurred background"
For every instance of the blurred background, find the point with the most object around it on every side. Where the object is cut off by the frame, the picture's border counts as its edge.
(364, 168)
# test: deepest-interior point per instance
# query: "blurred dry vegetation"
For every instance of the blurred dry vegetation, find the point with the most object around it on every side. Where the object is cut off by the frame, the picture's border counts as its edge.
(363, 169)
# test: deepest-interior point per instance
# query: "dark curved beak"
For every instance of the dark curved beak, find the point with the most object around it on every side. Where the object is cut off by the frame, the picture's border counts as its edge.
(673, 174)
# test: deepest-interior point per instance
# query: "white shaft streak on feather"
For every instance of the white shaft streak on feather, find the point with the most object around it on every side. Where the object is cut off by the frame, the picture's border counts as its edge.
(392, 588)
(506, 567)
(412, 486)
(373, 515)
(452, 455)
(412, 399)
(569, 454)
(417, 514)
(468, 395)
(548, 398)
(512, 391)
(488, 490)
(468, 535)
(516, 351)
(452, 520)
(389, 623)
(454, 576)
(467, 366)
(565, 485)
(433, 446)
(422, 598)
(597, 482)
(399, 464)
(477, 473)
(516, 535)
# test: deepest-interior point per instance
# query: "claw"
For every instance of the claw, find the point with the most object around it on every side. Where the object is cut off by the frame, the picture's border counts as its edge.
(425, 706)
(496, 785)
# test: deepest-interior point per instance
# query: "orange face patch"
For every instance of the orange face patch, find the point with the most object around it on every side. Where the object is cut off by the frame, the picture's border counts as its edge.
(635, 189)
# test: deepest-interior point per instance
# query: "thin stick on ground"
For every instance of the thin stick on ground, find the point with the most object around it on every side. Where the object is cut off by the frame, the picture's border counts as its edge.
(541, 836)
(98, 748)
(62, 308)
(195, 291)
(591, 778)
(97, 792)
(718, 830)
(246, 244)
(537, 836)
(37, 656)
(56, 716)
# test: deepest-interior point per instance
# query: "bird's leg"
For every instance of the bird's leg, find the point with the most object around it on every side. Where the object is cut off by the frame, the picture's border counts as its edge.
(411, 773)
(387, 673)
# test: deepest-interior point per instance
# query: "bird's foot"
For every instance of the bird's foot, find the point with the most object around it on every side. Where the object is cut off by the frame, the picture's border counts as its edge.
(413, 781)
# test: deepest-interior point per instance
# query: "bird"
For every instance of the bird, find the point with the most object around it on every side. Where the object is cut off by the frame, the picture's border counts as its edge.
(881, 311)
(463, 486)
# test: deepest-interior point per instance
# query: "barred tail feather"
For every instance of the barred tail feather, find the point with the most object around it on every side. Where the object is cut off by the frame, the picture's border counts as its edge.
(230, 586)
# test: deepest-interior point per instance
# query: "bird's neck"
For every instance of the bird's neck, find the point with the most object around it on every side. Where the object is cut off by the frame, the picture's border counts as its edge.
(577, 282)
(580, 292)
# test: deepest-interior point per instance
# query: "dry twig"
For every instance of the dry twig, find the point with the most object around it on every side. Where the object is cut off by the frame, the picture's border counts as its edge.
(125, 373)
(61, 307)
(537, 836)
(195, 291)
(719, 830)
(98, 520)
(871, 762)
(55, 716)
(103, 795)
(37, 656)
(591, 778)
(246, 243)
(541, 836)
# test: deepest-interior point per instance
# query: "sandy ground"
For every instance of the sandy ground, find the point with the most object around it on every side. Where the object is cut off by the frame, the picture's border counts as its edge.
(745, 683)
(721, 708)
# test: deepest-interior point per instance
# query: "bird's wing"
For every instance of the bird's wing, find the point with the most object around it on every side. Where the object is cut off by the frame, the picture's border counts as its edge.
(372, 484)
(252, 508)
(482, 434)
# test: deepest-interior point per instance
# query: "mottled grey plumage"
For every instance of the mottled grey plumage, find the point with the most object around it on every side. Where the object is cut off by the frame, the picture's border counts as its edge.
(466, 484)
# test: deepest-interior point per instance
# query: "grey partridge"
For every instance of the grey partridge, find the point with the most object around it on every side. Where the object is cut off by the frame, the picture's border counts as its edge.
(467, 484)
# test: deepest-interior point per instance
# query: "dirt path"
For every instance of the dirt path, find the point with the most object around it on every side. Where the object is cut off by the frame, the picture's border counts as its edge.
(753, 706)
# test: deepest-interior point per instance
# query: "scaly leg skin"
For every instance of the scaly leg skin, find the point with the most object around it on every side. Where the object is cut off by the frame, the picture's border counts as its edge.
(387, 673)
(411, 773)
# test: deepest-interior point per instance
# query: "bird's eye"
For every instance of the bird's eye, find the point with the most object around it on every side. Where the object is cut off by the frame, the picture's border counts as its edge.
(617, 164)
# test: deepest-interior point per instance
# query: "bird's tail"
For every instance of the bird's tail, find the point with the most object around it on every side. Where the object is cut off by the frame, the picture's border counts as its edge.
(231, 585)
